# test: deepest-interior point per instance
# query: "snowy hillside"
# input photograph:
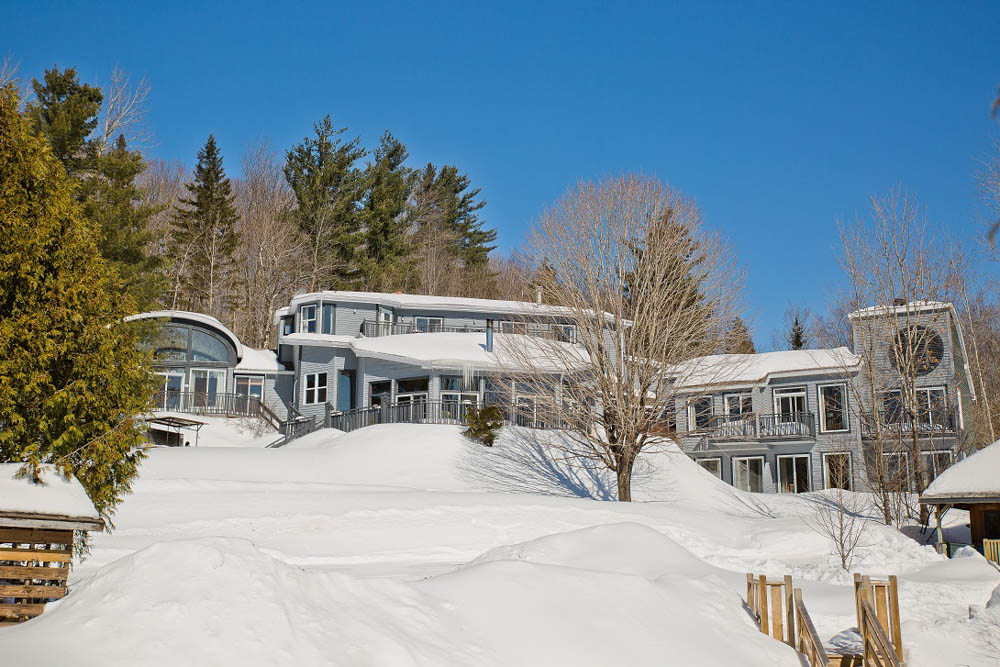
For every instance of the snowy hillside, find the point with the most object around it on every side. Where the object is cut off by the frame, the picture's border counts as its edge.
(409, 545)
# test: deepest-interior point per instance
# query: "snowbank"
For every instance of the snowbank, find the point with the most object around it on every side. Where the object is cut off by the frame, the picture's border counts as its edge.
(221, 431)
(976, 476)
(56, 495)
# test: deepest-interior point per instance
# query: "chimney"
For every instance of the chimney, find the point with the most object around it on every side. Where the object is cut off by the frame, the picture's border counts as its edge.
(489, 335)
(538, 294)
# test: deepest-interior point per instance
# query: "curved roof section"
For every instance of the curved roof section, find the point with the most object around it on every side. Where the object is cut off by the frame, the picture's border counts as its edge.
(200, 318)
(418, 301)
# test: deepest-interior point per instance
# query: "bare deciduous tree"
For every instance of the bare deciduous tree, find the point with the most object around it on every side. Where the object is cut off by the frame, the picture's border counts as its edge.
(647, 289)
(123, 111)
(270, 255)
(845, 522)
(162, 186)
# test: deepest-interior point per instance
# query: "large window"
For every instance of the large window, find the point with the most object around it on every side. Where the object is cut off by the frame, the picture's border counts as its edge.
(250, 385)
(700, 413)
(837, 470)
(307, 319)
(739, 404)
(328, 315)
(206, 383)
(793, 473)
(428, 324)
(172, 343)
(315, 388)
(748, 473)
(833, 408)
(713, 466)
(790, 404)
(206, 347)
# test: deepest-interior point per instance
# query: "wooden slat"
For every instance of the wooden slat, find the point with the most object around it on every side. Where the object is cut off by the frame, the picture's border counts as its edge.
(762, 591)
(789, 610)
(896, 630)
(32, 591)
(42, 556)
(36, 536)
(777, 620)
(32, 572)
(882, 604)
(15, 611)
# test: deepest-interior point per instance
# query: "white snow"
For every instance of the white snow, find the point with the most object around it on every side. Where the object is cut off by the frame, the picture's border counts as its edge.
(429, 302)
(732, 369)
(265, 361)
(410, 545)
(220, 431)
(976, 475)
(56, 495)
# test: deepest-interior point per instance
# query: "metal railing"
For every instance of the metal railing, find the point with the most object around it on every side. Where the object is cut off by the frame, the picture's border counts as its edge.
(371, 328)
(752, 426)
(943, 420)
(210, 403)
(433, 412)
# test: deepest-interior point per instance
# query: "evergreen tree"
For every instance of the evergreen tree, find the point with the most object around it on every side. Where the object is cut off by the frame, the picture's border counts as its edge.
(204, 238)
(739, 338)
(74, 378)
(797, 335)
(385, 261)
(112, 199)
(328, 187)
(462, 218)
(65, 113)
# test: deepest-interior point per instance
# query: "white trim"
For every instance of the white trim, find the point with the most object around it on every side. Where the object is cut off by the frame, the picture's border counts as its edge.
(303, 319)
(737, 459)
(717, 459)
(822, 411)
(692, 422)
(315, 388)
(790, 391)
(740, 395)
(795, 481)
(850, 469)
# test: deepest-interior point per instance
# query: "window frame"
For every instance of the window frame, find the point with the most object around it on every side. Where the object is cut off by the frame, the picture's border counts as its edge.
(692, 413)
(779, 458)
(850, 470)
(821, 405)
(305, 321)
(932, 453)
(779, 392)
(716, 459)
(430, 325)
(251, 380)
(737, 459)
(316, 389)
(331, 308)
(742, 395)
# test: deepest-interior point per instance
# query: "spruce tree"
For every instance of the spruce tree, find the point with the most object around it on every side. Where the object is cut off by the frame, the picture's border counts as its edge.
(204, 238)
(385, 261)
(74, 377)
(462, 218)
(322, 172)
(739, 338)
(797, 335)
(65, 113)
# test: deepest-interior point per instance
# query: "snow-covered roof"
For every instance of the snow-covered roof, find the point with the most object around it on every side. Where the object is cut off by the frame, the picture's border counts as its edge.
(754, 369)
(442, 350)
(56, 497)
(974, 479)
(427, 302)
(201, 318)
(261, 361)
(911, 307)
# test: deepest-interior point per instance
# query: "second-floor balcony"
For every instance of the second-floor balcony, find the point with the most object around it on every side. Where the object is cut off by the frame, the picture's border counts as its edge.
(752, 426)
(372, 329)
(901, 423)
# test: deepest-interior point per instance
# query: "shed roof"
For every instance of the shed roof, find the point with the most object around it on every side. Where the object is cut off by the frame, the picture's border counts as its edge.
(975, 479)
(56, 499)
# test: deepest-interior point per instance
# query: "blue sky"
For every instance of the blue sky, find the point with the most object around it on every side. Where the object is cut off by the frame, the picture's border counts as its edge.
(778, 118)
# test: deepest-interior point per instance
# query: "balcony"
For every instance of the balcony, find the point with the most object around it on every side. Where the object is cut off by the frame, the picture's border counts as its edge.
(372, 329)
(754, 427)
(940, 421)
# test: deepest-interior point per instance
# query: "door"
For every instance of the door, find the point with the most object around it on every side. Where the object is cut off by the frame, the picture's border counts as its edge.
(206, 385)
(748, 473)
(793, 473)
(248, 386)
(171, 393)
(345, 390)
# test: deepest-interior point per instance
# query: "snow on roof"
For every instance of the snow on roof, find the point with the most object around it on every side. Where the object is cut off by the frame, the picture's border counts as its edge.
(201, 318)
(265, 361)
(977, 476)
(741, 369)
(444, 350)
(418, 301)
(911, 307)
(56, 496)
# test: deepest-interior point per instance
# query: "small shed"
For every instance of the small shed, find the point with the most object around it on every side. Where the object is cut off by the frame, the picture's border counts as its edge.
(972, 484)
(37, 526)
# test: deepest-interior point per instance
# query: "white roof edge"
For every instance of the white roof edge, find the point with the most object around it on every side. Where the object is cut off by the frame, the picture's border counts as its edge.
(207, 320)
(912, 306)
(460, 304)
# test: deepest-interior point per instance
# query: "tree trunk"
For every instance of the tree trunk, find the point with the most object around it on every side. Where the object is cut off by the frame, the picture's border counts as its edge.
(624, 474)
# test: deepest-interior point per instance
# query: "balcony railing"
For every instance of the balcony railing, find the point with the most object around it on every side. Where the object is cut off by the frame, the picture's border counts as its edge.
(371, 328)
(942, 420)
(760, 427)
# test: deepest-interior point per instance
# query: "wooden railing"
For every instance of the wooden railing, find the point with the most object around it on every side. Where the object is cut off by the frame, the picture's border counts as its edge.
(991, 550)
(877, 603)
(809, 643)
(761, 427)
(770, 601)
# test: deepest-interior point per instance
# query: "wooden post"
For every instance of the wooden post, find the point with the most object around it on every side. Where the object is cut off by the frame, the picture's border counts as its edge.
(790, 610)
(776, 616)
(750, 601)
(857, 598)
(897, 633)
(763, 605)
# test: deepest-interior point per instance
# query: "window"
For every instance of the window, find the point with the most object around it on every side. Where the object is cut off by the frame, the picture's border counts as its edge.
(206, 383)
(172, 344)
(892, 406)
(287, 325)
(790, 404)
(931, 408)
(307, 319)
(934, 464)
(714, 466)
(739, 404)
(379, 392)
(700, 413)
(328, 314)
(837, 471)
(250, 385)
(793, 473)
(566, 333)
(896, 470)
(412, 386)
(206, 347)
(833, 408)
(315, 388)
(748, 473)
(428, 324)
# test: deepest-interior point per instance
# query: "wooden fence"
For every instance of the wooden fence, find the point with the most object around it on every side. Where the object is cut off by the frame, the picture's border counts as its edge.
(809, 643)
(34, 566)
(770, 600)
(991, 549)
(877, 603)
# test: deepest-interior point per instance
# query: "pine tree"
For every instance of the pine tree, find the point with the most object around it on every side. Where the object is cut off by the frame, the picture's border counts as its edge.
(797, 335)
(204, 238)
(462, 218)
(112, 199)
(328, 187)
(65, 113)
(739, 338)
(385, 261)
(74, 377)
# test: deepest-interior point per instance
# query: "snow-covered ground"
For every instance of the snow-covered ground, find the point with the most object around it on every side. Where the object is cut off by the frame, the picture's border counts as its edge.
(409, 545)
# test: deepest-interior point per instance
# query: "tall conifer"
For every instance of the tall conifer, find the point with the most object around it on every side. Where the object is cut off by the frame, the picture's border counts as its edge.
(385, 260)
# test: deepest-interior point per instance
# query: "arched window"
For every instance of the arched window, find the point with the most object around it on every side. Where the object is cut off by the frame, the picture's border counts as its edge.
(206, 347)
(172, 343)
